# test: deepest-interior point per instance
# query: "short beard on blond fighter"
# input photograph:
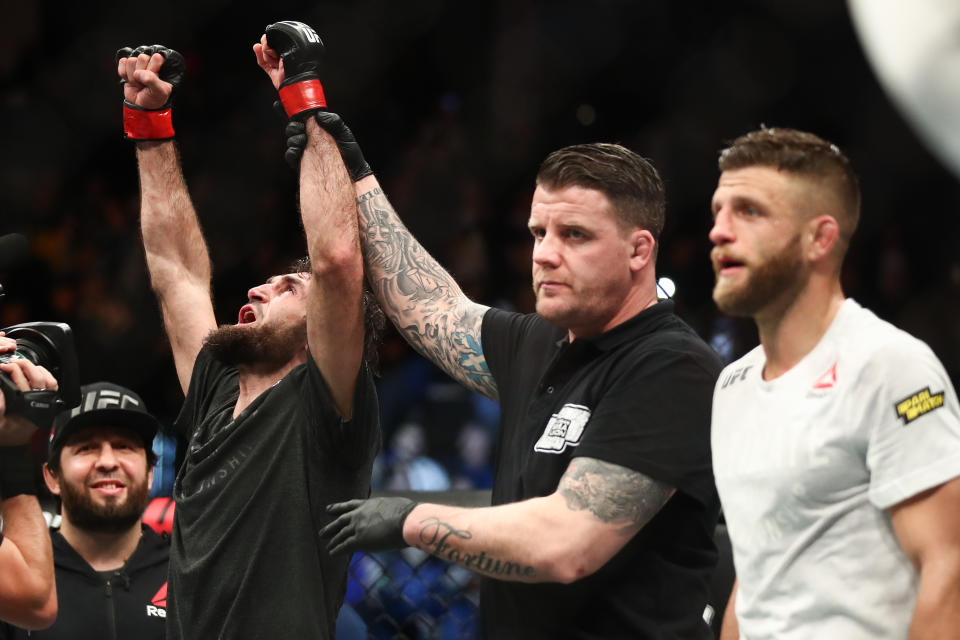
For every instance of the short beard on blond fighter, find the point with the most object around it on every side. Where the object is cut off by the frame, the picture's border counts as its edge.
(780, 275)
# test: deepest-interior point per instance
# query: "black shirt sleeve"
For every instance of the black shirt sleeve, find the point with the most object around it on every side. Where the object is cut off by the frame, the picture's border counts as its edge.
(655, 419)
(505, 332)
(355, 440)
(211, 382)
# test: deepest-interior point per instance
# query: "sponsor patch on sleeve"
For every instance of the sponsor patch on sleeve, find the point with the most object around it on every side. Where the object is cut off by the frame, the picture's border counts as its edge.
(918, 404)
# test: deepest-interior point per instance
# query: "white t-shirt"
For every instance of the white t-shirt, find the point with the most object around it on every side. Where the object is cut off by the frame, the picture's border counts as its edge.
(808, 464)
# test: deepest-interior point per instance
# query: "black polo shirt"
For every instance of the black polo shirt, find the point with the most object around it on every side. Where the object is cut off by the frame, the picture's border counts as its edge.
(638, 396)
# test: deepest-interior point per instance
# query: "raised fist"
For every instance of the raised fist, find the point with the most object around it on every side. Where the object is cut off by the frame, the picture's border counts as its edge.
(150, 74)
(291, 52)
(300, 48)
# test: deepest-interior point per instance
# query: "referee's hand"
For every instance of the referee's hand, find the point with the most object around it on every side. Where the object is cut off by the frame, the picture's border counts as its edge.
(375, 524)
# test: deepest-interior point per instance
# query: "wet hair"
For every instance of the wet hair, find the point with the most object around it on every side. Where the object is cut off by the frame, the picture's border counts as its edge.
(374, 319)
(803, 154)
(628, 180)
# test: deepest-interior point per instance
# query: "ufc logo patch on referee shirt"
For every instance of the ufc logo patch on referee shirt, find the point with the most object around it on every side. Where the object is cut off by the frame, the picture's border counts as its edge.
(565, 428)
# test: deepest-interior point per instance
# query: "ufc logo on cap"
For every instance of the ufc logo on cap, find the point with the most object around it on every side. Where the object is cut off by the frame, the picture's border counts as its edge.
(105, 399)
(108, 399)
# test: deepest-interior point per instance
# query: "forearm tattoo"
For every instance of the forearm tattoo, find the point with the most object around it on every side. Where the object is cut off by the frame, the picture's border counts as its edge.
(612, 493)
(423, 301)
(441, 539)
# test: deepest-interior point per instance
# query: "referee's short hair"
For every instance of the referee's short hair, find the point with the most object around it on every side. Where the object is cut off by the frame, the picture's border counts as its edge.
(629, 181)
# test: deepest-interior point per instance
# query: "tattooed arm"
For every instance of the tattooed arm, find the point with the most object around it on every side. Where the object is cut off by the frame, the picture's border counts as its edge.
(597, 508)
(424, 302)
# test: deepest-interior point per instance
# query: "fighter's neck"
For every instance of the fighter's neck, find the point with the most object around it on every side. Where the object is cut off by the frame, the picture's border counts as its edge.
(102, 551)
(254, 381)
(790, 331)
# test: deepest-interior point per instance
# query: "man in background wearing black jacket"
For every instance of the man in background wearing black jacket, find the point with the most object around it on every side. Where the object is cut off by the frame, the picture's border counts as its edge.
(111, 570)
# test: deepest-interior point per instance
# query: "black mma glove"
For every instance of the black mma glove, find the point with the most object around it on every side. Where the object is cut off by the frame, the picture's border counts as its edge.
(296, 135)
(153, 124)
(333, 124)
(375, 524)
(16, 472)
(301, 50)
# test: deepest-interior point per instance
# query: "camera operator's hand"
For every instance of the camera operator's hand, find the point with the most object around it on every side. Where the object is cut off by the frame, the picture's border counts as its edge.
(7, 345)
(28, 376)
(15, 430)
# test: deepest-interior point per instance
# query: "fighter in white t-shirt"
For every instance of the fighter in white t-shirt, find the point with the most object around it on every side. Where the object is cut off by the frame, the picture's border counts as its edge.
(836, 442)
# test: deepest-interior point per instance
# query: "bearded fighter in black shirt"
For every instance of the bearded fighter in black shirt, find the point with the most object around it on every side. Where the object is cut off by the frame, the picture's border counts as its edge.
(280, 409)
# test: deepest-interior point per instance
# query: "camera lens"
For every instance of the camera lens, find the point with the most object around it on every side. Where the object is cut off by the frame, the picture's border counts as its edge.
(35, 353)
(33, 346)
(50, 345)
(7, 357)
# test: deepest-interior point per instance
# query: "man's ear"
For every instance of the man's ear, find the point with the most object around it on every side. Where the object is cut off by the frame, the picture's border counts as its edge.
(821, 237)
(642, 245)
(51, 479)
(149, 478)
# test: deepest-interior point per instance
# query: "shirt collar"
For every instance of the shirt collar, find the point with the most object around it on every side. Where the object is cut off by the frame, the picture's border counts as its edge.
(639, 325)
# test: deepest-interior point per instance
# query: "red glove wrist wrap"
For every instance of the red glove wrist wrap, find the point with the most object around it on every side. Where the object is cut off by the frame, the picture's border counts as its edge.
(142, 124)
(301, 96)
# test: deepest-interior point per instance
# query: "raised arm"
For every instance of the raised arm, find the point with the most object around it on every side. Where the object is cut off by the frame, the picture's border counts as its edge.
(334, 306)
(420, 297)
(597, 508)
(176, 253)
(424, 301)
(928, 529)
(335, 296)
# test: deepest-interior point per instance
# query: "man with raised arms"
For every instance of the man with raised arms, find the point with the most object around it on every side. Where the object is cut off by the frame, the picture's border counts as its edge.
(280, 410)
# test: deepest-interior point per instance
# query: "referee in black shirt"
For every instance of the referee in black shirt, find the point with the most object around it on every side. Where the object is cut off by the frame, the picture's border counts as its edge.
(604, 504)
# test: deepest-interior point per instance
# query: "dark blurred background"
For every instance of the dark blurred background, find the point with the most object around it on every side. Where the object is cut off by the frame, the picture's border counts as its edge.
(455, 105)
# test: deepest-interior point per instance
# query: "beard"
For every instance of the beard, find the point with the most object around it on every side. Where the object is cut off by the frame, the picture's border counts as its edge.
(113, 517)
(564, 314)
(240, 345)
(779, 278)
(583, 309)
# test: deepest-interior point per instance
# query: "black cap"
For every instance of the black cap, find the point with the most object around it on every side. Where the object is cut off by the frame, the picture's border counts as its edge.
(104, 404)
